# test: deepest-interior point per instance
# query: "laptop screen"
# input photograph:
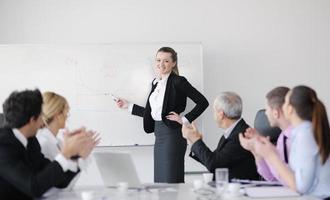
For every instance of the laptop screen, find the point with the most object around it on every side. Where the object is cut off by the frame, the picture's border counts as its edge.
(116, 167)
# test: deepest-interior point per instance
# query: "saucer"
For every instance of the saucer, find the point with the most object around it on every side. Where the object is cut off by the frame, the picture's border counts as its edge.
(203, 191)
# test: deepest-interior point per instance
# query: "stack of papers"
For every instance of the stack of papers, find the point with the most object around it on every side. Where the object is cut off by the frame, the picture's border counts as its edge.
(270, 191)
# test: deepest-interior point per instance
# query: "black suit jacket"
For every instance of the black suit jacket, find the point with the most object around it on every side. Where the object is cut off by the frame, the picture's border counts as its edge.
(229, 154)
(175, 99)
(26, 173)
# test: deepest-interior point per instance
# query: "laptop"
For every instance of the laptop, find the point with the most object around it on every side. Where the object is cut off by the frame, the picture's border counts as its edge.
(117, 167)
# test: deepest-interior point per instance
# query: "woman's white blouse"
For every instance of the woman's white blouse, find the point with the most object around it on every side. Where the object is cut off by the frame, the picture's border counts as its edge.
(50, 145)
(157, 98)
(311, 176)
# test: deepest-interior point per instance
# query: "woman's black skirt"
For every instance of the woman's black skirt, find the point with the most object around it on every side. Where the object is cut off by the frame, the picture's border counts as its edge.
(169, 152)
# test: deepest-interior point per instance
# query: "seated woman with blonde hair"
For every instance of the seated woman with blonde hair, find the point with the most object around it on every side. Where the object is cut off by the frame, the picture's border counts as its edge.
(55, 111)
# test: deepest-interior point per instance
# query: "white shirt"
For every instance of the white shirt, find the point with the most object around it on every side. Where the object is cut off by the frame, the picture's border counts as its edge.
(156, 100)
(230, 129)
(311, 176)
(49, 143)
(51, 146)
(20, 137)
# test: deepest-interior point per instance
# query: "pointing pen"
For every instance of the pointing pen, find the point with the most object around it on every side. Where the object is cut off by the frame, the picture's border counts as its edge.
(114, 98)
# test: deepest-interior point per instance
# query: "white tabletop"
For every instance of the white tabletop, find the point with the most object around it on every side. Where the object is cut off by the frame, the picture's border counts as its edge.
(171, 192)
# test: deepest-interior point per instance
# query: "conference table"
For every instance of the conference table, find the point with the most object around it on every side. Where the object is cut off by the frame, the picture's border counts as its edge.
(154, 192)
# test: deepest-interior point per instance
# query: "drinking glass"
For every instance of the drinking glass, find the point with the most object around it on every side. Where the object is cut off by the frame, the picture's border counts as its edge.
(221, 178)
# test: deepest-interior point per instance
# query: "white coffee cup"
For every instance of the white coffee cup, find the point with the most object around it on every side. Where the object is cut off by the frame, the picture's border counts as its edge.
(87, 195)
(208, 177)
(198, 184)
(233, 188)
(122, 186)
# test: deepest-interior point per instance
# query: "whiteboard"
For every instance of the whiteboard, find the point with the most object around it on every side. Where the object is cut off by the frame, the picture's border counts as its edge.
(86, 74)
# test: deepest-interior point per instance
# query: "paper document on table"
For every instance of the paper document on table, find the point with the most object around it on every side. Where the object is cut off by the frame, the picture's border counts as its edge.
(270, 191)
(256, 183)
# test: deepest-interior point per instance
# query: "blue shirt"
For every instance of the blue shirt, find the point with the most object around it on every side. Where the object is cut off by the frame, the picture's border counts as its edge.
(311, 176)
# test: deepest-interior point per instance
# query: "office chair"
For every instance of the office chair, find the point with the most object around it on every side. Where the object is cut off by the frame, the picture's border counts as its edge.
(262, 125)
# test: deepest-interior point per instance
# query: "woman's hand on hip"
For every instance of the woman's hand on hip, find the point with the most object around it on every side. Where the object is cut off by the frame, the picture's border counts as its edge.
(173, 116)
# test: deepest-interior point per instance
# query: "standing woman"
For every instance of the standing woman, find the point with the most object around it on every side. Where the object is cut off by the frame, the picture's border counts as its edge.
(309, 163)
(161, 115)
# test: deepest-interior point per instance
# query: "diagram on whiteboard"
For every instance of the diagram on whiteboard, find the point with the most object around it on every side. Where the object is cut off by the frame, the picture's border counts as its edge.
(87, 75)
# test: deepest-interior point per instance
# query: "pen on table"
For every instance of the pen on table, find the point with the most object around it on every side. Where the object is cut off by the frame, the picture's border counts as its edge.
(257, 183)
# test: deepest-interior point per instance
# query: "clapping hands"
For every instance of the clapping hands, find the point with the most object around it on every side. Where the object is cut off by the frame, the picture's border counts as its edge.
(260, 146)
(79, 142)
(191, 133)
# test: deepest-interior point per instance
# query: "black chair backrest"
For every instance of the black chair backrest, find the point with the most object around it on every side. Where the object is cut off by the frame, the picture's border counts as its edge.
(2, 120)
(262, 125)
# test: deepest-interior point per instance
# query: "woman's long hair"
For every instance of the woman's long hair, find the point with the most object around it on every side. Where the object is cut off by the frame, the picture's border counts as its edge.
(309, 107)
(52, 104)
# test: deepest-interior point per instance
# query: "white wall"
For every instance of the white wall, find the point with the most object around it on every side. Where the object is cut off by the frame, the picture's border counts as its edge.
(250, 46)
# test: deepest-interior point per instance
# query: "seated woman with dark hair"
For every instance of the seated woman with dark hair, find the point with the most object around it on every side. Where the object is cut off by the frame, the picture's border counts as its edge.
(309, 164)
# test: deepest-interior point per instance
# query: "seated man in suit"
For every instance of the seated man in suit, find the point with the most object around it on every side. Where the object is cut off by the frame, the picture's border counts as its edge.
(229, 153)
(24, 172)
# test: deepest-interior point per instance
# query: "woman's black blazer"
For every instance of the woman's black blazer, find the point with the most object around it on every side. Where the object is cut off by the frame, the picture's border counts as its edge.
(175, 99)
